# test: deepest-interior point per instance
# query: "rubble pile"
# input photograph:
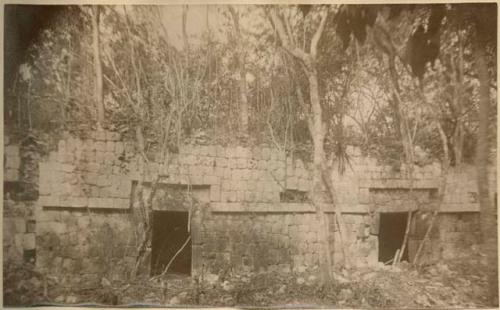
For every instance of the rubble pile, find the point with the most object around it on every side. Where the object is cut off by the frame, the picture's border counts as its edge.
(459, 283)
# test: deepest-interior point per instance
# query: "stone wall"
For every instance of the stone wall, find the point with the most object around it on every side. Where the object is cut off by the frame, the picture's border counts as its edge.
(90, 244)
(84, 220)
(20, 195)
(260, 241)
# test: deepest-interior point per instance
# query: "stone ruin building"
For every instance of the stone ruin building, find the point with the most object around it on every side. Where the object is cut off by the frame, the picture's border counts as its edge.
(72, 210)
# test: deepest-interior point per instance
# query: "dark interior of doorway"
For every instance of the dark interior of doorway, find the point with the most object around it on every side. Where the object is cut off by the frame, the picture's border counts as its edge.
(391, 235)
(170, 232)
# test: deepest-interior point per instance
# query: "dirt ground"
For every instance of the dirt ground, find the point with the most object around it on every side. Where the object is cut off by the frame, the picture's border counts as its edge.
(461, 283)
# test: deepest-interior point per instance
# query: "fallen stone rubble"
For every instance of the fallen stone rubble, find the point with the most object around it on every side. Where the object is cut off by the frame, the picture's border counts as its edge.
(449, 284)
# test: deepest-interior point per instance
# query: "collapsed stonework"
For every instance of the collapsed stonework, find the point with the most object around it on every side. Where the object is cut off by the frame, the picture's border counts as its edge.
(249, 210)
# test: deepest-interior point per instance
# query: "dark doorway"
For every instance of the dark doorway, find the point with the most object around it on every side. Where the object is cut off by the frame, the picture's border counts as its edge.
(391, 235)
(169, 234)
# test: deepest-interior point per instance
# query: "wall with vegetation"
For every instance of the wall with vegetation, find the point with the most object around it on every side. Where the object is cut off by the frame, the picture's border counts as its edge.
(251, 207)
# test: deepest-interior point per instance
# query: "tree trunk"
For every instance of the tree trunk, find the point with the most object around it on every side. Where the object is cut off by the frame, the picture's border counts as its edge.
(445, 164)
(239, 54)
(97, 66)
(487, 211)
(318, 135)
(316, 129)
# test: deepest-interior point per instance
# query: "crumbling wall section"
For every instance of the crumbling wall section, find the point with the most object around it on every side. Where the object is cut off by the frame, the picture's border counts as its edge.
(83, 220)
(85, 245)
(20, 195)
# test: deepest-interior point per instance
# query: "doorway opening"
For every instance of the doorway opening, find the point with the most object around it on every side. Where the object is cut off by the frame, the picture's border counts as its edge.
(170, 232)
(391, 234)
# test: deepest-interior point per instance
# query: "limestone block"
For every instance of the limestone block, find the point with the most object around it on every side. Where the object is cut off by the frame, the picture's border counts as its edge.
(207, 170)
(211, 151)
(220, 151)
(11, 174)
(99, 135)
(112, 136)
(251, 185)
(49, 201)
(99, 157)
(364, 195)
(61, 145)
(292, 183)
(249, 196)
(221, 162)
(79, 202)
(119, 147)
(100, 146)
(241, 163)
(256, 174)
(11, 150)
(243, 152)
(240, 195)
(83, 222)
(94, 202)
(18, 243)
(102, 180)
(12, 162)
(68, 167)
(245, 174)
(261, 164)
(233, 163)
(110, 146)
(266, 153)
(232, 196)
(235, 174)
(215, 193)
(29, 241)
(119, 203)
(230, 152)
(19, 225)
(273, 186)
(109, 157)
(124, 188)
(219, 172)
(258, 196)
(224, 196)
(211, 180)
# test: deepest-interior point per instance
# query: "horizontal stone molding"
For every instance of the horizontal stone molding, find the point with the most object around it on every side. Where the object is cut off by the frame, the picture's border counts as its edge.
(262, 207)
(84, 202)
(398, 183)
(459, 207)
(282, 207)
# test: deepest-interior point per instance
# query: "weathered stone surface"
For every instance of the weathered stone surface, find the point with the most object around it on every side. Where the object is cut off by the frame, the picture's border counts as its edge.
(244, 223)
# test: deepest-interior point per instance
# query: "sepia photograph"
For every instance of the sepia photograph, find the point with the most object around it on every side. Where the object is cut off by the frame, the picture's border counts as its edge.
(250, 155)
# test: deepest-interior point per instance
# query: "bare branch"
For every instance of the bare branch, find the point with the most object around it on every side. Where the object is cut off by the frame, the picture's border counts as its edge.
(285, 40)
(317, 34)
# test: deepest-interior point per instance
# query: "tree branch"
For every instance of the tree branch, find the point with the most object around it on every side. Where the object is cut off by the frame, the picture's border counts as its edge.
(285, 40)
(317, 34)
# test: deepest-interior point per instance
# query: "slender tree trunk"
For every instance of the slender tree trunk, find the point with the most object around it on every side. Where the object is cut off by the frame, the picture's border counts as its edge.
(445, 164)
(239, 53)
(97, 67)
(318, 135)
(458, 134)
(316, 128)
(487, 210)
(407, 141)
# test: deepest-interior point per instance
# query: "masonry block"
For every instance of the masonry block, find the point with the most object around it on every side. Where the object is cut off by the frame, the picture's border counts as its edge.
(29, 241)
(79, 202)
(11, 174)
(215, 193)
(364, 195)
(12, 150)
(13, 162)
